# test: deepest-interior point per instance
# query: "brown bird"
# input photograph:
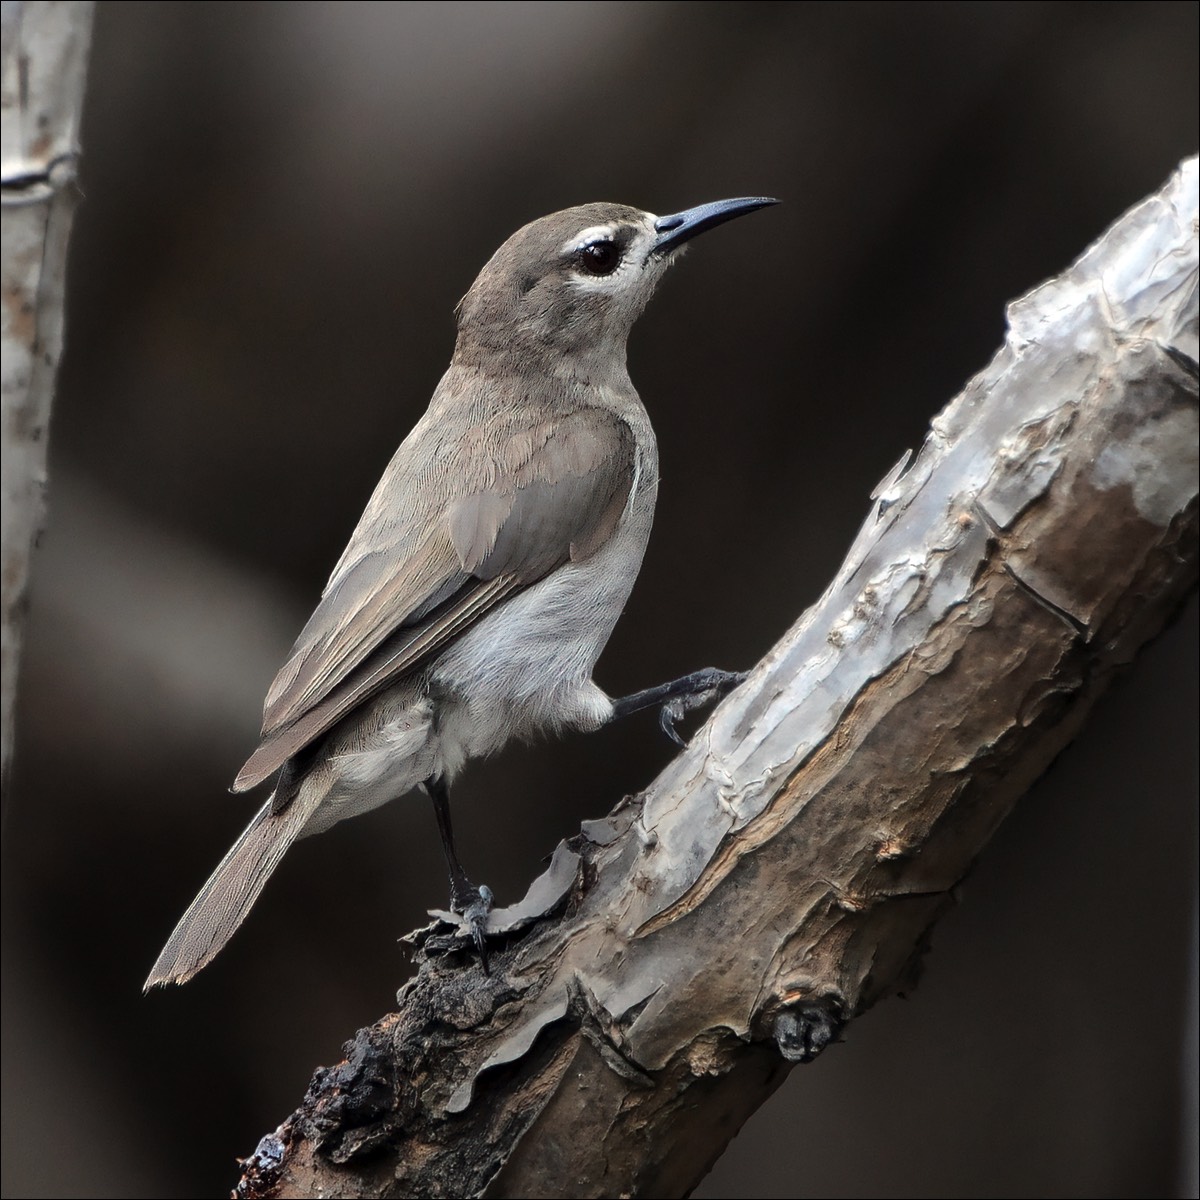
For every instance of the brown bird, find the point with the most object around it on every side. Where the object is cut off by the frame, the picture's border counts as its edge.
(488, 569)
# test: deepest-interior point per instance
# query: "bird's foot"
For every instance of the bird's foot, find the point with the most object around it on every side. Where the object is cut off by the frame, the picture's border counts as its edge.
(705, 687)
(473, 904)
(466, 917)
(677, 698)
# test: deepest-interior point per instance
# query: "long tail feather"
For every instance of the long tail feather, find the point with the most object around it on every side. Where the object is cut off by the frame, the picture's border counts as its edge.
(231, 890)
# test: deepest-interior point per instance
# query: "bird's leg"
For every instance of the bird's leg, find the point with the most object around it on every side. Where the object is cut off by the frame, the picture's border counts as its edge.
(472, 903)
(680, 696)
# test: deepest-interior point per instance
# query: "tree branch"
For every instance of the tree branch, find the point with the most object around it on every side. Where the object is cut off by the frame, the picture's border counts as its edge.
(45, 49)
(784, 872)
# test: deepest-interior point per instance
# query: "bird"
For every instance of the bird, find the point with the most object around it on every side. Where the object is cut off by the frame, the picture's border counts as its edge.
(488, 570)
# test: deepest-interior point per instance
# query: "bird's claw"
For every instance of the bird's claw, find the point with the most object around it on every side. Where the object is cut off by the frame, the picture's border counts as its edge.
(714, 684)
(668, 715)
(474, 906)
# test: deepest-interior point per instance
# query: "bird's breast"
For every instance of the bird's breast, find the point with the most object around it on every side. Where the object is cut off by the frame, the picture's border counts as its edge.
(528, 664)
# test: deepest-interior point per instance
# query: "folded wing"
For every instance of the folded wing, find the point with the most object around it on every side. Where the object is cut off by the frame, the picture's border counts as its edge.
(450, 533)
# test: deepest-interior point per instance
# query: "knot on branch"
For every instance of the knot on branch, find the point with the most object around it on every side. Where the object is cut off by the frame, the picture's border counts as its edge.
(803, 1028)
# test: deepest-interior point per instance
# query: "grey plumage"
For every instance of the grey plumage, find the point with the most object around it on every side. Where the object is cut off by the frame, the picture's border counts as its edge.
(490, 565)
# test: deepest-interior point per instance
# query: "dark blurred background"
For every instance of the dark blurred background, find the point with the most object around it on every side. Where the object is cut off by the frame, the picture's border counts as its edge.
(283, 204)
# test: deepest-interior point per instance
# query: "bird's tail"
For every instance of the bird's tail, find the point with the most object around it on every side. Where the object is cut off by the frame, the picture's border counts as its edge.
(231, 890)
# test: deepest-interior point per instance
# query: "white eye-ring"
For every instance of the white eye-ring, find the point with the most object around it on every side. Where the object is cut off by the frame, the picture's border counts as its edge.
(593, 233)
(599, 257)
(595, 252)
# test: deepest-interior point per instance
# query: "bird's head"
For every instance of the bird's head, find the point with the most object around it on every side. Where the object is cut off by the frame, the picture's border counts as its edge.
(570, 286)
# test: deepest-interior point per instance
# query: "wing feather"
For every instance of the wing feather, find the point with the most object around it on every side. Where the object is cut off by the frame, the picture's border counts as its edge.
(426, 563)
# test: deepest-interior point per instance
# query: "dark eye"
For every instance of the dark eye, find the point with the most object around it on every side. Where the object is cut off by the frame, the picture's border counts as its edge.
(599, 258)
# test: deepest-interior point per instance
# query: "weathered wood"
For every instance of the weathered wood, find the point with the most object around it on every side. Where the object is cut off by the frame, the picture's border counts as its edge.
(45, 47)
(784, 872)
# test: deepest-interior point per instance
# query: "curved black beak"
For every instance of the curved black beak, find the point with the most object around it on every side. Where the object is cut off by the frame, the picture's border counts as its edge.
(676, 229)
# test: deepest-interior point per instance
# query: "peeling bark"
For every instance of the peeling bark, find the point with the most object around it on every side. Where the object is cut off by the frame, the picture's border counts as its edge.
(784, 872)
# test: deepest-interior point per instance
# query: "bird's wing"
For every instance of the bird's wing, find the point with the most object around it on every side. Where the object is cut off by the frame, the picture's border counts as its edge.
(429, 559)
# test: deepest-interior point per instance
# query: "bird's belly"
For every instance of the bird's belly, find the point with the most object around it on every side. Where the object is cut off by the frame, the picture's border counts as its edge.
(390, 748)
(527, 666)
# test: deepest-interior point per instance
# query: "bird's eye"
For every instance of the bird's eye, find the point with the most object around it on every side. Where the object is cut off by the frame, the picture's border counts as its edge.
(600, 257)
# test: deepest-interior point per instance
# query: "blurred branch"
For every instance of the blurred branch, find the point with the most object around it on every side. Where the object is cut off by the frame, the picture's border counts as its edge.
(154, 648)
(784, 872)
(45, 48)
